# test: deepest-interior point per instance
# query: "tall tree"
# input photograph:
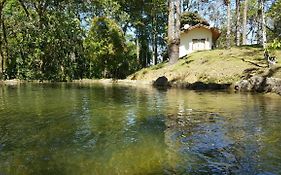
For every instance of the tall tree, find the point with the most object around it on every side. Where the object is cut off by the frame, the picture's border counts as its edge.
(106, 48)
(238, 25)
(3, 39)
(228, 33)
(174, 30)
(263, 25)
(158, 14)
(245, 13)
(148, 19)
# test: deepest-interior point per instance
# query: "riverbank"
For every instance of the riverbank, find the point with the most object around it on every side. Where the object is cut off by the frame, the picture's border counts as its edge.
(124, 82)
(236, 69)
(245, 85)
(215, 69)
(11, 82)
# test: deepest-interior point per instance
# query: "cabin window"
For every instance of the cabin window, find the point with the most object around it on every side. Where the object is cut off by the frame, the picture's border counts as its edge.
(198, 44)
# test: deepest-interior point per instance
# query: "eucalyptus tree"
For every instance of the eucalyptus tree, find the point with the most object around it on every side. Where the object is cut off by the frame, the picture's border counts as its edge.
(244, 34)
(174, 30)
(263, 23)
(158, 16)
(228, 33)
(3, 39)
(238, 23)
(148, 23)
(140, 21)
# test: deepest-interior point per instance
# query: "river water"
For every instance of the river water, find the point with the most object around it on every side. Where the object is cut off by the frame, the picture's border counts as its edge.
(91, 129)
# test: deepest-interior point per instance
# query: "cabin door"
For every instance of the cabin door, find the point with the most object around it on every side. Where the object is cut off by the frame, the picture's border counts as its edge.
(198, 44)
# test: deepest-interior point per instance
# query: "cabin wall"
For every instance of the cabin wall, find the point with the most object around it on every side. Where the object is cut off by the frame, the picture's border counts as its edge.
(193, 40)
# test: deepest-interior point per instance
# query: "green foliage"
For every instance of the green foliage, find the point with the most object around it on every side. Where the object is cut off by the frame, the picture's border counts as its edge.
(107, 49)
(276, 44)
(43, 42)
(57, 41)
(65, 40)
(275, 15)
(149, 20)
(192, 19)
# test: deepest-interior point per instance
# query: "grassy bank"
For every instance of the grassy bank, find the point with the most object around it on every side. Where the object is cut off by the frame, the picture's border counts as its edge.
(215, 66)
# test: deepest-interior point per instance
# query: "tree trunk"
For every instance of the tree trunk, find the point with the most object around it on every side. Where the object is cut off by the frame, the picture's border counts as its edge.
(1, 48)
(3, 40)
(154, 39)
(245, 22)
(174, 30)
(263, 27)
(238, 23)
(155, 49)
(138, 50)
(259, 24)
(228, 25)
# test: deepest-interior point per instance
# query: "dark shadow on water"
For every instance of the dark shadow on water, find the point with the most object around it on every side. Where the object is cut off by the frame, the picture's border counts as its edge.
(200, 139)
(153, 124)
(207, 86)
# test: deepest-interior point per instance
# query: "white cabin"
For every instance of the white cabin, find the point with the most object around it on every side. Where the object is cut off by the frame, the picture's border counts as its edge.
(197, 37)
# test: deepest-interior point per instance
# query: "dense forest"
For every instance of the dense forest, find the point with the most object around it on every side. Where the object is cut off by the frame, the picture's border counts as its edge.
(62, 40)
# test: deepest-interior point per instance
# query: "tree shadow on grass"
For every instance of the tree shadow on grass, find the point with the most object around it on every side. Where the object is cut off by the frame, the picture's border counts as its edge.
(187, 62)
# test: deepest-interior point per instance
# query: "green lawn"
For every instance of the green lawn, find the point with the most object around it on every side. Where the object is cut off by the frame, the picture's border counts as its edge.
(215, 66)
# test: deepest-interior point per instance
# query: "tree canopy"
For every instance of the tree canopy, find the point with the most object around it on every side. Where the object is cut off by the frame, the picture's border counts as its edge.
(192, 19)
(66, 40)
(107, 49)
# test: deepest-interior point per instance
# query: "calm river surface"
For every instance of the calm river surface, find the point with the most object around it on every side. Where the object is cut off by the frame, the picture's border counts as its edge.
(68, 129)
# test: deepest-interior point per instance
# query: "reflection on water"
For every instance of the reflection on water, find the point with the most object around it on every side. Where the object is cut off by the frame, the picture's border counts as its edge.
(96, 129)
